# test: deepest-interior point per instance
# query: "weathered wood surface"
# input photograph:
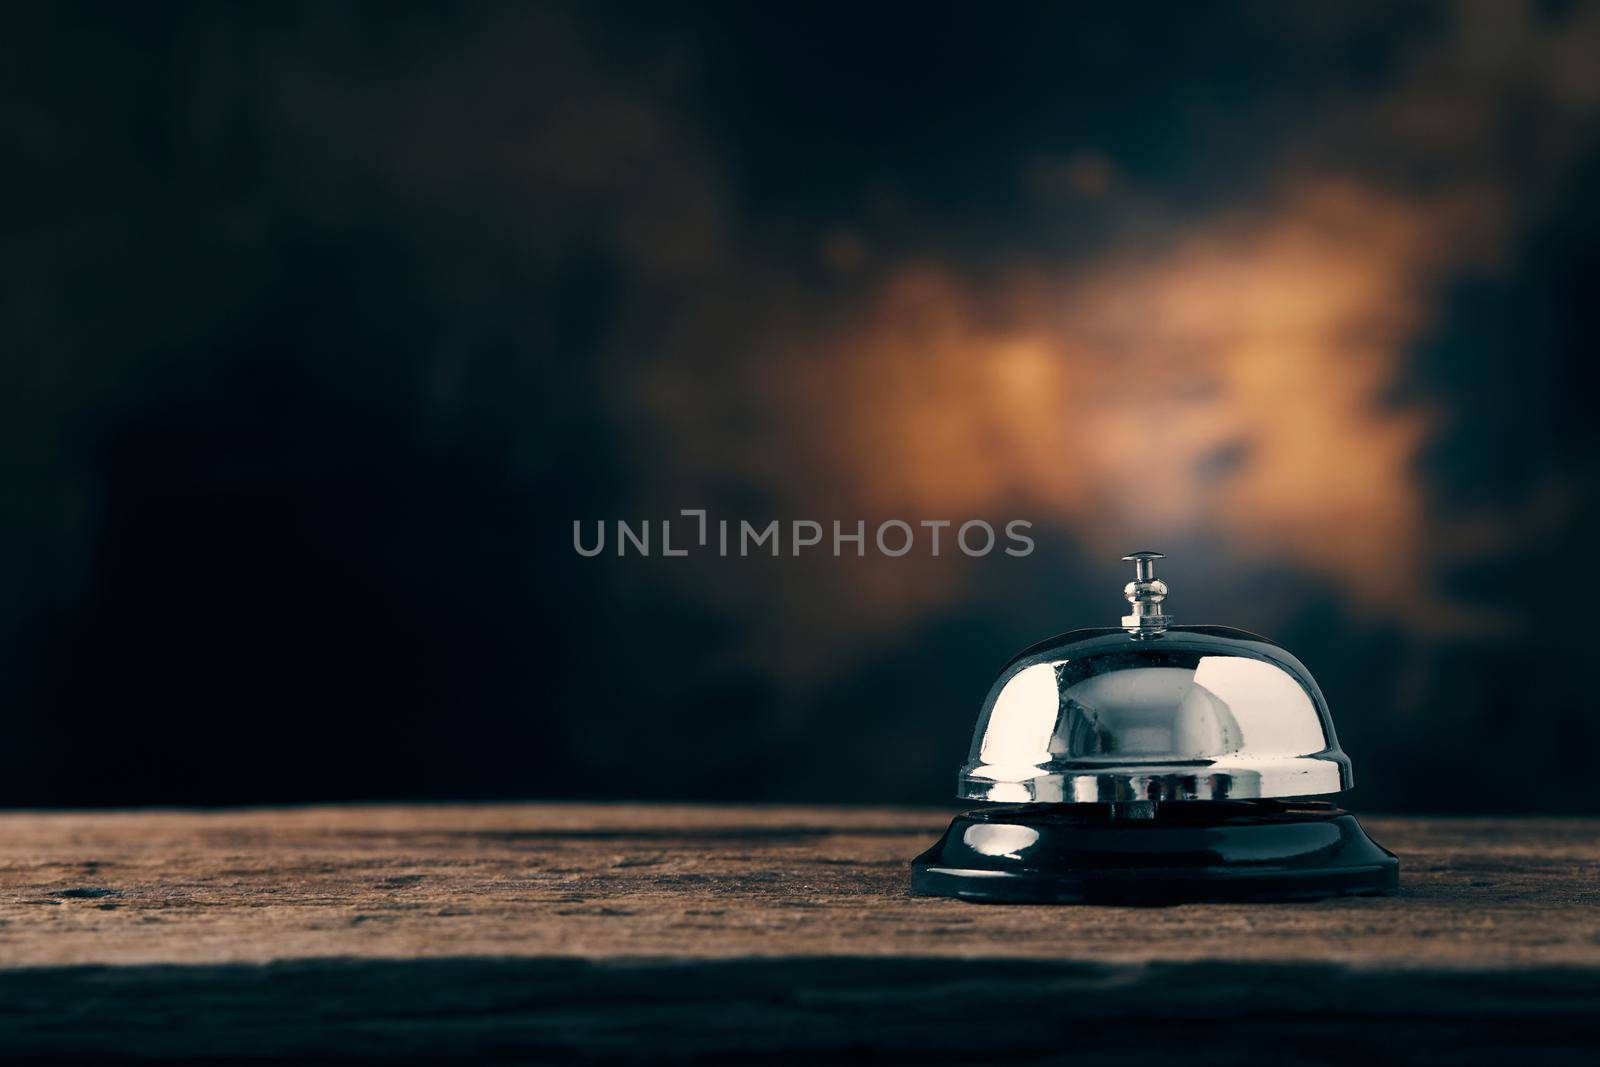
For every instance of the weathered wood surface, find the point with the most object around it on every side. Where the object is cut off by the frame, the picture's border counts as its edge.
(545, 932)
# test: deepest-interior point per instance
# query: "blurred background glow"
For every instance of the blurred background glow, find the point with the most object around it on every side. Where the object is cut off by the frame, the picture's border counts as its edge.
(326, 321)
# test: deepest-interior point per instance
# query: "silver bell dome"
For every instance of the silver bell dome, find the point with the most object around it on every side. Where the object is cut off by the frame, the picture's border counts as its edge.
(1151, 711)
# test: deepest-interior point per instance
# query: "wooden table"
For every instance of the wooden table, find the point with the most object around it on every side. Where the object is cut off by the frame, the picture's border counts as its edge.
(528, 933)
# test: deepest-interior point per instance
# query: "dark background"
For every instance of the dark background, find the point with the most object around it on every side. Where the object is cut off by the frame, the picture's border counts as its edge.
(325, 322)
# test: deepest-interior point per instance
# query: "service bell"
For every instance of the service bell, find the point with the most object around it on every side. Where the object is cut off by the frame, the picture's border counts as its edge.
(1151, 762)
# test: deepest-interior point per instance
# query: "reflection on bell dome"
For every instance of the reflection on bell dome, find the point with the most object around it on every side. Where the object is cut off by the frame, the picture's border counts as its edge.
(1146, 711)
(1189, 713)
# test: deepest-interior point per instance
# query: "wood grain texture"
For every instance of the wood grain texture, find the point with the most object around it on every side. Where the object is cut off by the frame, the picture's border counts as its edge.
(535, 932)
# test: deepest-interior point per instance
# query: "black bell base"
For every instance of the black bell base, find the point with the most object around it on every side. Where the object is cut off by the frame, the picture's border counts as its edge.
(1246, 850)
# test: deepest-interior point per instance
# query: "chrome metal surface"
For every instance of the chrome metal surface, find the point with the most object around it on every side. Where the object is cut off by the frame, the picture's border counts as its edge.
(1145, 593)
(1153, 714)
